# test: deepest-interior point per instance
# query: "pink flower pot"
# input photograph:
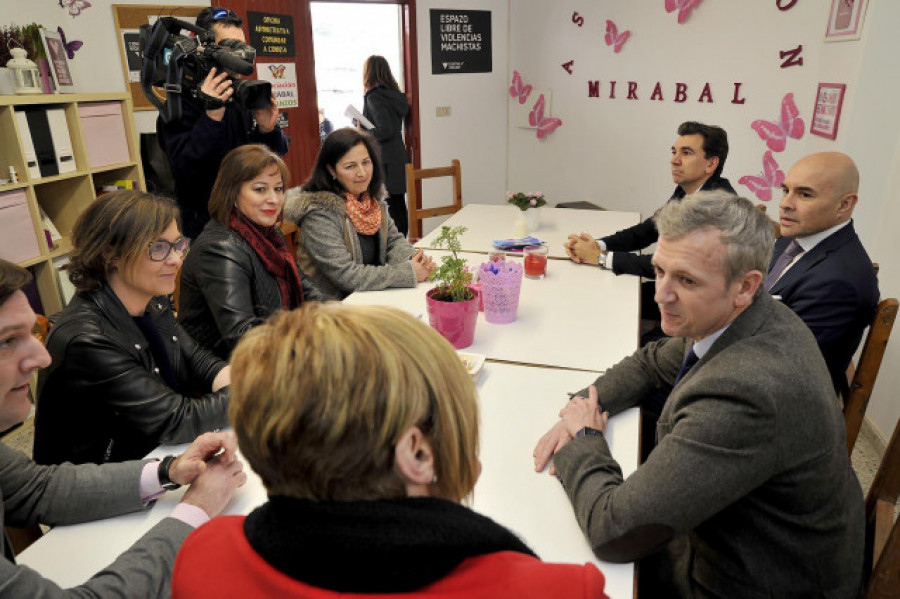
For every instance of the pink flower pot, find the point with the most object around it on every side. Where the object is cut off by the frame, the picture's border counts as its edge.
(454, 320)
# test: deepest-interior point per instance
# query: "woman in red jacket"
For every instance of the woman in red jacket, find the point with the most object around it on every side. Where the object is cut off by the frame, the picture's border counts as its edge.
(363, 425)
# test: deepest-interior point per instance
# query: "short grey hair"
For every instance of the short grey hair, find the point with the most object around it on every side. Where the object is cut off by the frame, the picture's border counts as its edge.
(746, 232)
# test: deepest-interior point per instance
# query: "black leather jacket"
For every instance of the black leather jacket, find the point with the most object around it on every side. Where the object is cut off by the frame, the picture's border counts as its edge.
(103, 400)
(225, 289)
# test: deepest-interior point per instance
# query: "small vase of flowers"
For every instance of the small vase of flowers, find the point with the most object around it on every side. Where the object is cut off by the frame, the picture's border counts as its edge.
(528, 213)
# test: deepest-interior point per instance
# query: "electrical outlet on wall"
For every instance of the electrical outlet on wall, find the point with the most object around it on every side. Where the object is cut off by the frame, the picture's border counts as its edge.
(442, 111)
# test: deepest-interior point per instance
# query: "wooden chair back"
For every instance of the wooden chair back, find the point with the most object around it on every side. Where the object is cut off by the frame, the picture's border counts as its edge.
(863, 381)
(881, 573)
(414, 178)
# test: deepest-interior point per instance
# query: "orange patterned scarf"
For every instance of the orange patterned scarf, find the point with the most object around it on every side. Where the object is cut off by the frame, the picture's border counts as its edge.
(365, 213)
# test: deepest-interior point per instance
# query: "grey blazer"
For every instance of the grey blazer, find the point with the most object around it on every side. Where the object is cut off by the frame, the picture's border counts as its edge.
(329, 253)
(68, 494)
(750, 491)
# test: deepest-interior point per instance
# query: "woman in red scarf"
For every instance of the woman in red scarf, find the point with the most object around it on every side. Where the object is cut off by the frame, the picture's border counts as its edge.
(240, 269)
(348, 242)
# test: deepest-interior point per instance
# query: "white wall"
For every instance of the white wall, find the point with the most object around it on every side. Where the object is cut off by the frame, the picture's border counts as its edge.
(476, 130)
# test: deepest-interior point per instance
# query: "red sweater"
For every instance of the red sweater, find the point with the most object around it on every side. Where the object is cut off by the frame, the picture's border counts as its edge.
(217, 561)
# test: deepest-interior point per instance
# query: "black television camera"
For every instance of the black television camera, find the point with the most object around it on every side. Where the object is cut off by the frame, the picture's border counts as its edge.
(179, 64)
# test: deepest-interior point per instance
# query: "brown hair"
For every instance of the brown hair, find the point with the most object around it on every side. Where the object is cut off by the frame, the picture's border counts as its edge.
(377, 71)
(12, 278)
(118, 226)
(239, 166)
(321, 395)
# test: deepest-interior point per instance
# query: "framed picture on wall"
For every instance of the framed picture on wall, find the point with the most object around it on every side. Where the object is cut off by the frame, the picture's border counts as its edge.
(845, 20)
(827, 112)
(56, 56)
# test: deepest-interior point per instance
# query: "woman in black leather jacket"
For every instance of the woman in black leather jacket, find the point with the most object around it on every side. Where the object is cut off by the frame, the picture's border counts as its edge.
(125, 376)
(240, 269)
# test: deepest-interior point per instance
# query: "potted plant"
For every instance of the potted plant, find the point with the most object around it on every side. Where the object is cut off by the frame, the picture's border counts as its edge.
(527, 210)
(452, 304)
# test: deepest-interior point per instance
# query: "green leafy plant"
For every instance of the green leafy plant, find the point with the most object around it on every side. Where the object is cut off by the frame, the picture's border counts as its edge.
(524, 201)
(452, 275)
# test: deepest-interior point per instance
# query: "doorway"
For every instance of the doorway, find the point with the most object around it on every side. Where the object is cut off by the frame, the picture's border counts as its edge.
(343, 38)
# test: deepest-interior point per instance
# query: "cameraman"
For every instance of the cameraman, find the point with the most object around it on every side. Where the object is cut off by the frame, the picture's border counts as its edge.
(197, 143)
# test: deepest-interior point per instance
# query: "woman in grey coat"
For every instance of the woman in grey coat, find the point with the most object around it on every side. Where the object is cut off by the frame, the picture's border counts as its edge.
(347, 240)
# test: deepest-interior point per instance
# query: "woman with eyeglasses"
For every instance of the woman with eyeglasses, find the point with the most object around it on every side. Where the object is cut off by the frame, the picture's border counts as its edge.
(125, 376)
(240, 269)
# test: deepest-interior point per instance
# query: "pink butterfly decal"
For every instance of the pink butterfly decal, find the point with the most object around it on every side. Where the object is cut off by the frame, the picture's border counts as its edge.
(684, 8)
(771, 177)
(613, 37)
(790, 125)
(545, 126)
(75, 6)
(71, 47)
(518, 89)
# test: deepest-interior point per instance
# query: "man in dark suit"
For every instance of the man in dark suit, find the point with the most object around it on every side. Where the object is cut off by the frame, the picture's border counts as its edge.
(750, 491)
(698, 157)
(68, 494)
(819, 268)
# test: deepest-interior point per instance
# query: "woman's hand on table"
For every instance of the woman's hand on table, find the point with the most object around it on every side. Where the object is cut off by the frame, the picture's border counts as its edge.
(423, 265)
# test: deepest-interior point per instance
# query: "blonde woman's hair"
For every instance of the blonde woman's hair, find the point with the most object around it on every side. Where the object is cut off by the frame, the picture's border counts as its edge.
(321, 395)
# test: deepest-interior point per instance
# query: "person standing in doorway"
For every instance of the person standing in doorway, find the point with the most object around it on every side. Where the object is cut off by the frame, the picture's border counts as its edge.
(386, 107)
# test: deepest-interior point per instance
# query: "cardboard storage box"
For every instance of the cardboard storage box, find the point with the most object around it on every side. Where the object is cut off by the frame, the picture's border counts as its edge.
(17, 240)
(104, 133)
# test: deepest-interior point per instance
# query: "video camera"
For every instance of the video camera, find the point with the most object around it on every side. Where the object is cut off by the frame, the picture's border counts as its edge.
(179, 64)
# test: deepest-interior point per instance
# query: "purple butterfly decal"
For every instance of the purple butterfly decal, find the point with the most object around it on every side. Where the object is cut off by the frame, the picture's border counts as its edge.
(771, 177)
(71, 47)
(74, 6)
(545, 125)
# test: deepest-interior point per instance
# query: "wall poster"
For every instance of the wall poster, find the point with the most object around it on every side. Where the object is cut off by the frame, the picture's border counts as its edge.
(460, 41)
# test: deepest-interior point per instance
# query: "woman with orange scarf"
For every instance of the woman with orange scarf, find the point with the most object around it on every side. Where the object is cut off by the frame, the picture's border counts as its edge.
(348, 242)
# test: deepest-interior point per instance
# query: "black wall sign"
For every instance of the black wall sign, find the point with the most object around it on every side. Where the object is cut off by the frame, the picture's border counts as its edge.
(460, 41)
(271, 35)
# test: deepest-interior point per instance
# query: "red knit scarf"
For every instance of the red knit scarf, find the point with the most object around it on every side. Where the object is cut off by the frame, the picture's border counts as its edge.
(364, 212)
(269, 245)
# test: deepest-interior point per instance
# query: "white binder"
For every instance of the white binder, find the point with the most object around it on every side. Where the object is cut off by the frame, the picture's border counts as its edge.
(34, 172)
(62, 143)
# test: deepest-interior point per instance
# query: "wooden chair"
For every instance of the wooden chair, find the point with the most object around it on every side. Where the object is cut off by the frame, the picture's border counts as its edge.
(864, 376)
(414, 177)
(881, 570)
(776, 226)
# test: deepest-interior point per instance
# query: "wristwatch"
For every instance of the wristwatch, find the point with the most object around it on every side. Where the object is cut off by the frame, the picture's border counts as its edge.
(163, 473)
(601, 260)
(588, 431)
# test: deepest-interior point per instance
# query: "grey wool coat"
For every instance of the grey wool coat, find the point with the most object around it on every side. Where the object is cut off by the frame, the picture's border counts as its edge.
(750, 492)
(68, 494)
(329, 253)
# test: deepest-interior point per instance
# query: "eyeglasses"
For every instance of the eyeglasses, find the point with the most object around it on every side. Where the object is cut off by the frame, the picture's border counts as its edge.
(160, 249)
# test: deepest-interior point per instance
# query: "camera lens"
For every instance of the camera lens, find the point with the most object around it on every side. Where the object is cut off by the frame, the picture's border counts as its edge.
(253, 95)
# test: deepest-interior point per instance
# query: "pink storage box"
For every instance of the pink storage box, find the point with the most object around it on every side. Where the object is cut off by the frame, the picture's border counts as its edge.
(104, 133)
(17, 240)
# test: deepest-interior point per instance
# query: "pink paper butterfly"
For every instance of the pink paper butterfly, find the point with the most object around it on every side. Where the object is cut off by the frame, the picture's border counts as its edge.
(75, 6)
(684, 8)
(517, 89)
(71, 47)
(545, 126)
(776, 134)
(771, 177)
(613, 37)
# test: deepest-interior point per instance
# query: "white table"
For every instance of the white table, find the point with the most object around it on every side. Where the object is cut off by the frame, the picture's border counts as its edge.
(578, 316)
(486, 223)
(518, 404)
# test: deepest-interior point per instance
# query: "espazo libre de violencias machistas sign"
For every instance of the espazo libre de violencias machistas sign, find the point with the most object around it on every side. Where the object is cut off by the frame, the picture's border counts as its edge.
(460, 41)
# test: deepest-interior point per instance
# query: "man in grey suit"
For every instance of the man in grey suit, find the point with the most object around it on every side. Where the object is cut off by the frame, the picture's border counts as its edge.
(67, 494)
(749, 491)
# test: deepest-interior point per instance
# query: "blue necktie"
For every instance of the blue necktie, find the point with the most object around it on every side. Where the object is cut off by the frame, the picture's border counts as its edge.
(689, 360)
(790, 252)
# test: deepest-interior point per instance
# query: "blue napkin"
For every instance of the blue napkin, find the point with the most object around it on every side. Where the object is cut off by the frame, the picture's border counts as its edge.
(515, 244)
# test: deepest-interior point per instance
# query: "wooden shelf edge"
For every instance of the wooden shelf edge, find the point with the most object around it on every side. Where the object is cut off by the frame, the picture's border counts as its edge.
(18, 100)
